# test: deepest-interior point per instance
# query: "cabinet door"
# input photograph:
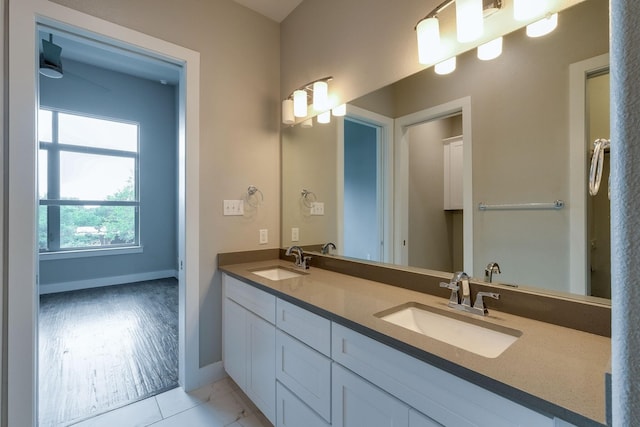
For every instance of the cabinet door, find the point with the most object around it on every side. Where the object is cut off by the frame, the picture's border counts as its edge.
(293, 413)
(234, 343)
(261, 365)
(358, 403)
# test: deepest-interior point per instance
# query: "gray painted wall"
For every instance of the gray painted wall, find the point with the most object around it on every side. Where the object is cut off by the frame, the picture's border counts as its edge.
(90, 90)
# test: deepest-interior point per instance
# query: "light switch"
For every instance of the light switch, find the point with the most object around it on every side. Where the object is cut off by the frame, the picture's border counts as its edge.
(317, 208)
(233, 207)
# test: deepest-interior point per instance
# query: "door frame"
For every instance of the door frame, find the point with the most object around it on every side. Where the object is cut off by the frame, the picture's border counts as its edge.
(401, 225)
(384, 136)
(21, 259)
(579, 72)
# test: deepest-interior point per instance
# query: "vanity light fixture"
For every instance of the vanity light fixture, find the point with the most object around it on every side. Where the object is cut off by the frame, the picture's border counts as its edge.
(325, 117)
(469, 20)
(340, 110)
(527, 9)
(315, 93)
(320, 95)
(543, 27)
(490, 50)
(287, 112)
(307, 123)
(446, 67)
(300, 103)
(470, 16)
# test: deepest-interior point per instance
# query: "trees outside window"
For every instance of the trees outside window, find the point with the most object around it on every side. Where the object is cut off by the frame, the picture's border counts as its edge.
(88, 182)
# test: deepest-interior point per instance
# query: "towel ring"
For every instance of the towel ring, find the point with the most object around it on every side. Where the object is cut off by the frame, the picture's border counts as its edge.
(308, 198)
(254, 196)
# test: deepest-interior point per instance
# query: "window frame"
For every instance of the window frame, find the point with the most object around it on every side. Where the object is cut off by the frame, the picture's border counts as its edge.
(53, 204)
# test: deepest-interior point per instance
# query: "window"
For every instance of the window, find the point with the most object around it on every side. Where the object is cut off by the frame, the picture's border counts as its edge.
(88, 182)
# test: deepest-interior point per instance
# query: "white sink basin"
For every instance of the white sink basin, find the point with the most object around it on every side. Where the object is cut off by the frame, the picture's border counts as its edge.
(277, 273)
(476, 336)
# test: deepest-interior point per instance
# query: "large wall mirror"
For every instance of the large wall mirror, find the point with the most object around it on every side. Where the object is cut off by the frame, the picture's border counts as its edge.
(402, 177)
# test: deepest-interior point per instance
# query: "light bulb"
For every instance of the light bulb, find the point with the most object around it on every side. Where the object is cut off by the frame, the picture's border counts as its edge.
(527, 9)
(428, 32)
(469, 20)
(300, 103)
(490, 50)
(446, 67)
(287, 112)
(543, 27)
(340, 110)
(325, 117)
(320, 96)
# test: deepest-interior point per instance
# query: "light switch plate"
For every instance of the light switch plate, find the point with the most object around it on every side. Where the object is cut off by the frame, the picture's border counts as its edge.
(233, 207)
(317, 208)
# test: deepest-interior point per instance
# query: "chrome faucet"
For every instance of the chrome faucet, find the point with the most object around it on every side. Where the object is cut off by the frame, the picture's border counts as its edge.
(301, 260)
(492, 268)
(460, 281)
(326, 248)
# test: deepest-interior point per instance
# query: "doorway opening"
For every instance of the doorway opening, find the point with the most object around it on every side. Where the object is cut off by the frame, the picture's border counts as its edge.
(433, 188)
(365, 191)
(108, 208)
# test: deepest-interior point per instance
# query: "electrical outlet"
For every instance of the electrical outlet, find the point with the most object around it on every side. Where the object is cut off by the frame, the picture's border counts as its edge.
(233, 207)
(264, 236)
(295, 234)
(317, 208)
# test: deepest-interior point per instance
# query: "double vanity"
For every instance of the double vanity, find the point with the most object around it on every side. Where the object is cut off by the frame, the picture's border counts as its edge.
(320, 348)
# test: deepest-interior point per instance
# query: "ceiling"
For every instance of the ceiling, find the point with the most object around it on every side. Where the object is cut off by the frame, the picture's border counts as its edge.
(274, 9)
(110, 57)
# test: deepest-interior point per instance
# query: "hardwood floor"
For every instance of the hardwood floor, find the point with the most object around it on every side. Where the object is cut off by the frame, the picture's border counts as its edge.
(106, 347)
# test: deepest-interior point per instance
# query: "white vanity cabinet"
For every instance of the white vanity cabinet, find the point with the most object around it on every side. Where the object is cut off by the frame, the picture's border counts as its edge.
(249, 340)
(303, 343)
(445, 398)
(300, 369)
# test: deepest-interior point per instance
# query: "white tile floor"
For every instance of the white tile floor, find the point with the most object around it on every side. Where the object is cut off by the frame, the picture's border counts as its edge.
(220, 404)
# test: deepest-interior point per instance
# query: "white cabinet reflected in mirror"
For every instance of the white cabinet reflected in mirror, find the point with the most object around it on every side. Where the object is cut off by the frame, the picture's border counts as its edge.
(517, 149)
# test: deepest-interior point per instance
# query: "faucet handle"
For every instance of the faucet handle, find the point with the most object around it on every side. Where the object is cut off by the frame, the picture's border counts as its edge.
(479, 304)
(453, 286)
(306, 262)
(453, 299)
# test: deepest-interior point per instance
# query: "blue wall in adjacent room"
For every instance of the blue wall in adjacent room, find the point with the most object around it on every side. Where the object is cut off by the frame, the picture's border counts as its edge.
(103, 93)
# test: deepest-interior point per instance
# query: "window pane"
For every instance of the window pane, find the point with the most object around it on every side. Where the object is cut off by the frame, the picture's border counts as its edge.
(42, 228)
(43, 189)
(96, 177)
(45, 126)
(96, 226)
(99, 133)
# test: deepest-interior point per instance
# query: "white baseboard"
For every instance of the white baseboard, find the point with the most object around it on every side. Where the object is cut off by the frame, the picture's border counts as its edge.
(105, 281)
(212, 373)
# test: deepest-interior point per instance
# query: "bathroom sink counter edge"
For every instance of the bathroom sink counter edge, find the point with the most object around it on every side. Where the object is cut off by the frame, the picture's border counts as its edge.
(552, 369)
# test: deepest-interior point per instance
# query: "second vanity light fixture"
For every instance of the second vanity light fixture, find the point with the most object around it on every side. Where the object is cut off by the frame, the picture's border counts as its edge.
(470, 16)
(316, 95)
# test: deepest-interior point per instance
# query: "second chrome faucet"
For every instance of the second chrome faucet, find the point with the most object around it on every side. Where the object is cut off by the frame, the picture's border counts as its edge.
(301, 260)
(462, 301)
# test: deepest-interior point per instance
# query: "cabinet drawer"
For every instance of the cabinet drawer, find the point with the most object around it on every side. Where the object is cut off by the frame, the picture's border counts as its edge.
(251, 298)
(305, 372)
(311, 329)
(293, 413)
(426, 388)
